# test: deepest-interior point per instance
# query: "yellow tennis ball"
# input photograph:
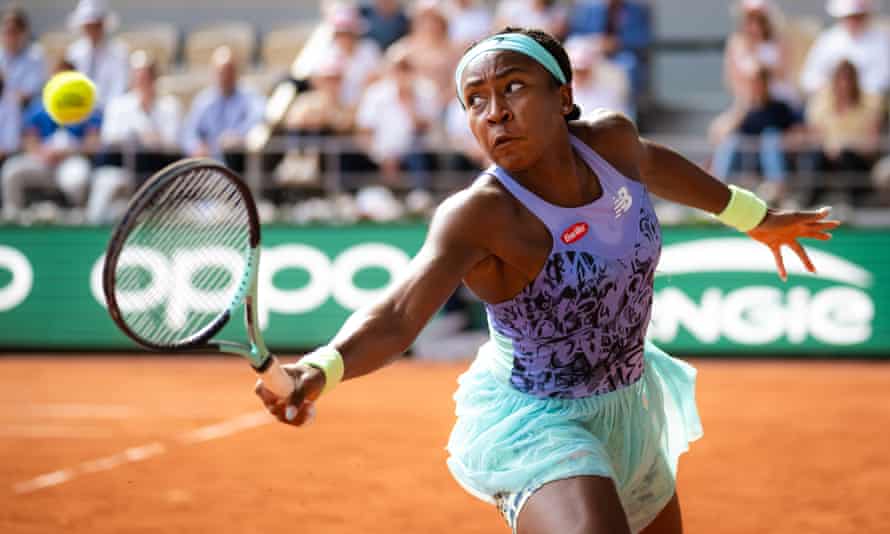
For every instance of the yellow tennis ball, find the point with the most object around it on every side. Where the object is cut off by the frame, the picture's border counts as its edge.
(69, 97)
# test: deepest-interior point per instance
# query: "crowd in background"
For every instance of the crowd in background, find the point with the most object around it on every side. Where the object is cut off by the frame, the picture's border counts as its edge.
(380, 74)
(824, 119)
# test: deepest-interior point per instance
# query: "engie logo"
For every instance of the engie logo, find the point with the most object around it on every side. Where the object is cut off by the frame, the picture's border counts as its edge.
(19, 286)
(759, 314)
(574, 232)
(326, 278)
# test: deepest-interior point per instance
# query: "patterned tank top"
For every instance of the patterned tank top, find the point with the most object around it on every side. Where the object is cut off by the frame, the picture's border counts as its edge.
(578, 328)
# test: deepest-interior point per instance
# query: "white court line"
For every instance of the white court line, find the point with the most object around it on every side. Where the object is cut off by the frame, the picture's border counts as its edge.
(136, 454)
(227, 427)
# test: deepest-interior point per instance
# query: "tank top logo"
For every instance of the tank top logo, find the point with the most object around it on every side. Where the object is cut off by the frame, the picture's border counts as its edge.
(574, 232)
(622, 202)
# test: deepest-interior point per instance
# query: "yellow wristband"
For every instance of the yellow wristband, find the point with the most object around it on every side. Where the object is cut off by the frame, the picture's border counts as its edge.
(744, 211)
(330, 362)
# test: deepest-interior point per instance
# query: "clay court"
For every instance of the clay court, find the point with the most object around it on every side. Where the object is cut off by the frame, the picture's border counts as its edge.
(123, 444)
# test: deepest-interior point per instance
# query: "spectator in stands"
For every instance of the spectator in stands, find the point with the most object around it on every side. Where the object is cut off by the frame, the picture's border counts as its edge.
(880, 177)
(470, 154)
(596, 83)
(548, 15)
(846, 123)
(623, 26)
(362, 57)
(854, 38)
(393, 115)
(11, 125)
(140, 121)
(752, 138)
(756, 42)
(321, 111)
(429, 48)
(341, 31)
(21, 62)
(96, 54)
(386, 20)
(221, 115)
(468, 21)
(54, 156)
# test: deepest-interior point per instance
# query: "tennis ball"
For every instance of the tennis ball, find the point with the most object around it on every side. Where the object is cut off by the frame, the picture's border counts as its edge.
(69, 97)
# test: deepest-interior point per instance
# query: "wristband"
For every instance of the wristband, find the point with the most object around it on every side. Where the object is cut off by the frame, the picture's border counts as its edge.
(328, 360)
(745, 210)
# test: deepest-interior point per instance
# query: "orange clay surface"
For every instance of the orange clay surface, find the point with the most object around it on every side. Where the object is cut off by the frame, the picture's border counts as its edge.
(124, 444)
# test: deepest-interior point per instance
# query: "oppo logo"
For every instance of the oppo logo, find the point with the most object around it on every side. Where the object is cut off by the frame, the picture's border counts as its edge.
(19, 286)
(326, 279)
(574, 232)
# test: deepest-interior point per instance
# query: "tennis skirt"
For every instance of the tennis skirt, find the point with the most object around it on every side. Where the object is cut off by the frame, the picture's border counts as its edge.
(507, 444)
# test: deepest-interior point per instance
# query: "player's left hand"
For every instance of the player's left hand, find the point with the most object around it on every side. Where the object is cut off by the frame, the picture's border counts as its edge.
(784, 228)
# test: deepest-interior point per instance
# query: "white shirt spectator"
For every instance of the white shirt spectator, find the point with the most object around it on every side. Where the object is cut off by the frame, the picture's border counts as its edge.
(869, 52)
(10, 126)
(525, 14)
(106, 65)
(125, 121)
(609, 88)
(357, 69)
(468, 24)
(213, 115)
(24, 73)
(390, 123)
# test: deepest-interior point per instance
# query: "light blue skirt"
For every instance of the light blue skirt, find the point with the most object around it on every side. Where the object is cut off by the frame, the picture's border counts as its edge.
(507, 444)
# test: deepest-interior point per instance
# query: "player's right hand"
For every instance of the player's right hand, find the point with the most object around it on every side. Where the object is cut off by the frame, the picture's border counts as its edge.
(299, 408)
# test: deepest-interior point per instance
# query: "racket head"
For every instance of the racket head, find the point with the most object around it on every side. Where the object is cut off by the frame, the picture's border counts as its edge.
(191, 214)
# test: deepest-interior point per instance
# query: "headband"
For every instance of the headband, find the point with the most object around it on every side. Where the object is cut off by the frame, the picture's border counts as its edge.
(515, 42)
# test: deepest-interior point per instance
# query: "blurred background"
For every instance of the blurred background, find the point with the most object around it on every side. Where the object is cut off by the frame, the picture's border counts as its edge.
(342, 119)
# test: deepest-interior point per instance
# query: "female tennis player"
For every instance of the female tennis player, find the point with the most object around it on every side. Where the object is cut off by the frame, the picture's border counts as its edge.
(568, 419)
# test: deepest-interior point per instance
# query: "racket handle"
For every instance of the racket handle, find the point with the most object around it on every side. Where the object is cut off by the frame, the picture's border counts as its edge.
(277, 380)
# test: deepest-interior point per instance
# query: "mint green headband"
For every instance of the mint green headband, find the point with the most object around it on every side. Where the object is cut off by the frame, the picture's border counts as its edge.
(515, 42)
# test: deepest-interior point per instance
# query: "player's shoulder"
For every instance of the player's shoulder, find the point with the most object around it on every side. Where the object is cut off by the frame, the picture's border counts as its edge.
(603, 122)
(481, 209)
(612, 135)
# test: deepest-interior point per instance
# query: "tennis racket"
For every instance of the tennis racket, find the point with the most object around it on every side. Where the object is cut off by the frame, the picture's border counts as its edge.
(183, 259)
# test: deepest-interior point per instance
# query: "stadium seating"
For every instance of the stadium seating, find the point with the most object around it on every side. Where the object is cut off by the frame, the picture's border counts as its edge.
(159, 40)
(201, 42)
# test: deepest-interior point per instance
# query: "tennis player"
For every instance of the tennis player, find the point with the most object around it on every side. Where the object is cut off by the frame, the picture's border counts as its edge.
(568, 419)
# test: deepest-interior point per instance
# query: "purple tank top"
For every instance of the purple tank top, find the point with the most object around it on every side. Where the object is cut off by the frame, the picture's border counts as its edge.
(578, 328)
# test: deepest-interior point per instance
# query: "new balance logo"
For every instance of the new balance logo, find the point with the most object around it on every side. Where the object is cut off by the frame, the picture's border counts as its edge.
(622, 202)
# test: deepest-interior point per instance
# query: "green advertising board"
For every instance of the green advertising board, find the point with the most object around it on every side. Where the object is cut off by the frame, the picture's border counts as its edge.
(716, 291)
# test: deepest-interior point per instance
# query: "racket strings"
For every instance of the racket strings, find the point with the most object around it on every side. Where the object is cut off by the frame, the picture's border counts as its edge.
(198, 229)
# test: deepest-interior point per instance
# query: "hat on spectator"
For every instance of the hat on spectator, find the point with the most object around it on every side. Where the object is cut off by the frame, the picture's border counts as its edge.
(754, 5)
(88, 11)
(429, 7)
(346, 19)
(845, 8)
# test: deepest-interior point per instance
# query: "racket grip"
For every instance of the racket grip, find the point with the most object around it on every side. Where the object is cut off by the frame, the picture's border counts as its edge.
(277, 380)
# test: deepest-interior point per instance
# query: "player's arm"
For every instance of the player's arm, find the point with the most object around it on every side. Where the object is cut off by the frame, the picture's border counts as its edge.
(671, 176)
(377, 334)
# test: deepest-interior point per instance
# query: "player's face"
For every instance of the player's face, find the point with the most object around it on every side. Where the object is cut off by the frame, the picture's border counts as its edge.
(513, 107)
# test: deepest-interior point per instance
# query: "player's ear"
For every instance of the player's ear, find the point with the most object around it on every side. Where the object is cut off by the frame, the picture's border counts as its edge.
(566, 100)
